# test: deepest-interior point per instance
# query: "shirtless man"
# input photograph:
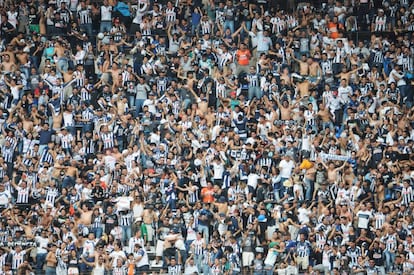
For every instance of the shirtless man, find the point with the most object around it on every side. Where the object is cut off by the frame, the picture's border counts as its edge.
(47, 217)
(62, 62)
(303, 88)
(332, 171)
(115, 71)
(67, 76)
(29, 229)
(285, 79)
(10, 52)
(57, 121)
(347, 75)
(7, 66)
(221, 205)
(58, 169)
(51, 260)
(149, 216)
(24, 59)
(72, 174)
(315, 72)
(285, 109)
(86, 215)
(303, 64)
(325, 115)
(27, 123)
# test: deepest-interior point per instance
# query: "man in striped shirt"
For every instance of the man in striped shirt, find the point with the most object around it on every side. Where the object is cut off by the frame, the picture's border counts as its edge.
(390, 240)
(107, 139)
(253, 79)
(353, 252)
(174, 267)
(23, 192)
(303, 250)
(197, 247)
(7, 151)
(48, 154)
(85, 18)
(66, 140)
(125, 220)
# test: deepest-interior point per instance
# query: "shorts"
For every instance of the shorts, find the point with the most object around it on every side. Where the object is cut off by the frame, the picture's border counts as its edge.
(73, 271)
(159, 250)
(247, 258)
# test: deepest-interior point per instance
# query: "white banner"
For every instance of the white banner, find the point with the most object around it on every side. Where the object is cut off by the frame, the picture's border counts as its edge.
(333, 157)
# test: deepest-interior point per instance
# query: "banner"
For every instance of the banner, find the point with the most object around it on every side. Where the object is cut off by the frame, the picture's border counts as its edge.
(333, 157)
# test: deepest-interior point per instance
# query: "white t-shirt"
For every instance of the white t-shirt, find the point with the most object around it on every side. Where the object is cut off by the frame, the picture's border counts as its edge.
(344, 93)
(106, 13)
(286, 168)
(252, 180)
(117, 255)
(218, 169)
(303, 215)
(42, 244)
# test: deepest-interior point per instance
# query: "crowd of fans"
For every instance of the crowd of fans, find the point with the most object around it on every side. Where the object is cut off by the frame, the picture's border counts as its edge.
(220, 137)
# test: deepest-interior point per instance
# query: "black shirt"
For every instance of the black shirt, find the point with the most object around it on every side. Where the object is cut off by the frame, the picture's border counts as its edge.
(5, 28)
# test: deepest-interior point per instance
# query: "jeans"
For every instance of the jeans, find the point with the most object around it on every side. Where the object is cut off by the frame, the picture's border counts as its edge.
(131, 100)
(327, 125)
(68, 182)
(229, 24)
(35, 62)
(276, 194)
(88, 29)
(206, 269)
(72, 130)
(105, 26)
(126, 234)
(389, 259)
(50, 270)
(121, 144)
(63, 64)
(98, 232)
(138, 106)
(187, 103)
(254, 91)
(309, 185)
(403, 92)
(268, 270)
(205, 230)
(198, 261)
(40, 261)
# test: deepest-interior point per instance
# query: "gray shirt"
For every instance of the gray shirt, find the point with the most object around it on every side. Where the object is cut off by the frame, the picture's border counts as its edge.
(142, 90)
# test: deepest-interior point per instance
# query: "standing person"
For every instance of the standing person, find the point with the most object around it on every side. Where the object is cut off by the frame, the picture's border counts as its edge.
(303, 250)
(150, 217)
(390, 240)
(43, 242)
(204, 220)
(85, 18)
(51, 260)
(106, 17)
(6, 29)
(109, 219)
(229, 15)
(197, 248)
(7, 151)
(125, 220)
(141, 259)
